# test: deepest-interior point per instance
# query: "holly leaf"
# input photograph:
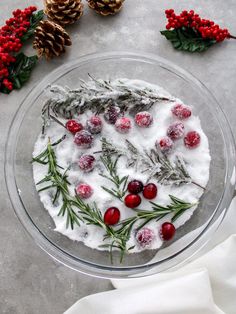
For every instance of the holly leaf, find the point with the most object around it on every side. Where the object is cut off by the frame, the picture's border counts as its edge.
(34, 21)
(188, 39)
(19, 71)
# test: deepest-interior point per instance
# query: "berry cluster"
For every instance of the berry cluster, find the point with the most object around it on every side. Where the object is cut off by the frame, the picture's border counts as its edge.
(10, 41)
(176, 130)
(207, 29)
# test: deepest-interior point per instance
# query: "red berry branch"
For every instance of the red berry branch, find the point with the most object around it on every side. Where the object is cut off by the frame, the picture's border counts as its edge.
(15, 68)
(189, 32)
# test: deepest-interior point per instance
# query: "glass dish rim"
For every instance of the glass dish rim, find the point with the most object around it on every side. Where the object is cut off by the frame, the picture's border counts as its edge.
(9, 167)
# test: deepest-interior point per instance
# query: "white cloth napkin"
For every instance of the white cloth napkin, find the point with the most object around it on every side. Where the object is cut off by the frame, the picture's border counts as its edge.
(204, 286)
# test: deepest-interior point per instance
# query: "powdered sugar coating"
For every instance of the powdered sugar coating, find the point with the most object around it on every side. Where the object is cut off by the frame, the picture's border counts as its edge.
(68, 154)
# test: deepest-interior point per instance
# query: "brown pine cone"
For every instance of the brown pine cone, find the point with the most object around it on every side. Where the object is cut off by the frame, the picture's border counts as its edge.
(106, 7)
(50, 39)
(63, 12)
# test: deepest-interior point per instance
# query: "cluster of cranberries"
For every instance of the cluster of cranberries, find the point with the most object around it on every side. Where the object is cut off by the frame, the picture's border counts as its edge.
(176, 131)
(113, 115)
(145, 236)
(132, 200)
(10, 41)
(207, 28)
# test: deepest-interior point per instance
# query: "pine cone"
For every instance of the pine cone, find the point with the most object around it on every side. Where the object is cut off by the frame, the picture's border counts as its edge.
(106, 7)
(63, 12)
(50, 39)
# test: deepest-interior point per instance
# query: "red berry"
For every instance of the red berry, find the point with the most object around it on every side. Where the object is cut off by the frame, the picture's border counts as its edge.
(181, 111)
(150, 191)
(94, 124)
(112, 216)
(84, 190)
(135, 187)
(84, 139)
(86, 163)
(74, 126)
(143, 119)
(123, 125)
(132, 200)
(111, 114)
(145, 237)
(175, 130)
(165, 144)
(167, 231)
(192, 139)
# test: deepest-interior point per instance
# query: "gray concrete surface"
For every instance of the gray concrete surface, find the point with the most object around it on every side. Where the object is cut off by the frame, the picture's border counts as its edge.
(30, 281)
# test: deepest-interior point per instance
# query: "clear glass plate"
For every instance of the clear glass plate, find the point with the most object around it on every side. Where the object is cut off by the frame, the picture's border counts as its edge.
(189, 238)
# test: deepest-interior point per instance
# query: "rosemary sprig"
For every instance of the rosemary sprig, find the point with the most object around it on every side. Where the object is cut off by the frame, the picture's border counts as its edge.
(119, 182)
(78, 211)
(155, 164)
(96, 95)
(58, 181)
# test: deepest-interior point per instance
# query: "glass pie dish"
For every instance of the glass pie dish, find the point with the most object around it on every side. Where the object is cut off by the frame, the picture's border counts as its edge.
(189, 238)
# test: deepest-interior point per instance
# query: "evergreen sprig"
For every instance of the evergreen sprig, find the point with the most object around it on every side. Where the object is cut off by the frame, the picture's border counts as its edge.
(76, 210)
(96, 95)
(119, 182)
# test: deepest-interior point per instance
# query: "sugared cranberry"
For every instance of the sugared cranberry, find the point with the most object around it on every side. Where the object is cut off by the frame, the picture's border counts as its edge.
(84, 190)
(83, 139)
(86, 163)
(132, 200)
(112, 216)
(94, 124)
(145, 237)
(135, 186)
(167, 231)
(111, 114)
(192, 139)
(123, 125)
(181, 111)
(175, 130)
(74, 126)
(143, 119)
(150, 191)
(165, 144)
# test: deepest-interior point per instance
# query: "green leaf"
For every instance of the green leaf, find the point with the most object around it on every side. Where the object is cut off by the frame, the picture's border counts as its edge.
(34, 21)
(188, 39)
(20, 70)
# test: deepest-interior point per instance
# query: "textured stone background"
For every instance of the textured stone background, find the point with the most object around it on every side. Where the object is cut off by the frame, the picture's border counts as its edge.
(30, 281)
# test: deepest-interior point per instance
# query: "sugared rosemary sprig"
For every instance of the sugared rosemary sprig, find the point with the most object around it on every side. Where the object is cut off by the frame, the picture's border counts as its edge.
(96, 95)
(120, 183)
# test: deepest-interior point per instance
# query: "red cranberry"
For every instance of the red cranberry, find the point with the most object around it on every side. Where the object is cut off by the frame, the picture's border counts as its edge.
(181, 111)
(123, 125)
(144, 237)
(132, 200)
(86, 163)
(84, 190)
(175, 130)
(167, 231)
(165, 144)
(135, 187)
(192, 139)
(94, 124)
(150, 191)
(111, 114)
(112, 216)
(74, 126)
(84, 139)
(143, 119)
